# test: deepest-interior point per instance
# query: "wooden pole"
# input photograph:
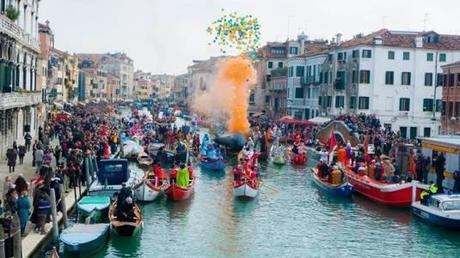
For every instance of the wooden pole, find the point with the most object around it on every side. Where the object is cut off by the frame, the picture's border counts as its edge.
(2, 243)
(54, 214)
(63, 206)
(88, 178)
(16, 235)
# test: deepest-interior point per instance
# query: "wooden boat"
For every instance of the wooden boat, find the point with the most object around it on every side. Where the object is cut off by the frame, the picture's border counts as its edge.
(212, 164)
(148, 189)
(94, 206)
(177, 193)
(84, 238)
(299, 159)
(144, 159)
(277, 155)
(441, 209)
(343, 190)
(125, 228)
(392, 194)
(243, 186)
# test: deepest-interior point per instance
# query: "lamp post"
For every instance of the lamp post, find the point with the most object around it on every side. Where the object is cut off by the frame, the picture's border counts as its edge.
(435, 86)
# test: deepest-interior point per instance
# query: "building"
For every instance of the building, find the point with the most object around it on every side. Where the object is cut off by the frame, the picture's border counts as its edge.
(46, 44)
(202, 74)
(450, 116)
(181, 87)
(20, 99)
(391, 74)
(164, 84)
(143, 85)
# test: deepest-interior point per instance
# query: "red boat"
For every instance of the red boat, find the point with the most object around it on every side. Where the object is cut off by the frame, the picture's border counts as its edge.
(391, 194)
(177, 193)
(299, 159)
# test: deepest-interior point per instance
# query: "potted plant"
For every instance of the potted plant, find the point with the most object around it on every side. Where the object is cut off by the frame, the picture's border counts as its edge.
(12, 13)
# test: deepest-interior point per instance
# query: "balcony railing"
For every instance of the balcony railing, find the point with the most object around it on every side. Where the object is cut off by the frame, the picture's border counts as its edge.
(278, 72)
(307, 80)
(19, 99)
(16, 32)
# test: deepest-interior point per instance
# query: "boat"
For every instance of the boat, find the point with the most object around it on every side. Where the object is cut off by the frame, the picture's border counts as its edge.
(144, 159)
(154, 147)
(440, 209)
(148, 189)
(391, 194)
(95, 207)
(178, 193)
(125, 228)
(299, 159)
(111, 175)
(277, 155)
(246, 183)
(84, 238)
(131, 149)
(344, 189)
(212, 164)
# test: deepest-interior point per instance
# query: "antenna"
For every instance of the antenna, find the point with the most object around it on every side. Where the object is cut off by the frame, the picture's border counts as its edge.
(289, 25)
(425, 20)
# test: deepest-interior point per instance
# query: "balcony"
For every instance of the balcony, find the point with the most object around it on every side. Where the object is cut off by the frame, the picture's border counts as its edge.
(16, 32)
(19, 99)
(307, 80)
(279, 72)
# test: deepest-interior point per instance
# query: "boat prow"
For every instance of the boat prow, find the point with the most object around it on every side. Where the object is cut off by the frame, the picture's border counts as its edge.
(178, 193)
(245, 189)
(147, 191)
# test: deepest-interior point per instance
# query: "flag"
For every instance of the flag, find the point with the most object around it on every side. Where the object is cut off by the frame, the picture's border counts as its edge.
(366, 144)
(331, 142)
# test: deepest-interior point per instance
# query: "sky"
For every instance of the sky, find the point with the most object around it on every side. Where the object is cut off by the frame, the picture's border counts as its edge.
(165, 36)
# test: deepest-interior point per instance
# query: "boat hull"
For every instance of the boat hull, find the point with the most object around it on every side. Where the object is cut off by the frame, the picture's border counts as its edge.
(243, 190)
(124, 228)
(146, 192)
(82, 241)
(299, 160)
(433, 217)
(214, 165)
(342, 190)
(177, 193)
(391, 194)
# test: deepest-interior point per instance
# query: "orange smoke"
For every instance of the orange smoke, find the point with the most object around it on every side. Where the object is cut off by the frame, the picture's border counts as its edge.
(239, 74)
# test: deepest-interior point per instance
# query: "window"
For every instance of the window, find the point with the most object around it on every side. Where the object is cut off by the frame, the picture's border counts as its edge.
(363, 103)
(342, 56)
(355, 54)
(406, 55)
(352, 102)
(280, 64)
(427, 105)
(440, 79)
(428, 79)
(405, 78)
(354, 76)
(278, 51)
(389, 78)
(364, 76)
(404, 104)
(403, 131)
(326, 77)
(340, 80)
(367, 53)
(426, 132)
(339, 101)
(442, 57)
(291, 71)
(299, 93)
(320, 101)
(299, 71)
(267, 99)
(458, 79)
(451, 78)
(391, 55)
(270, 65)
(328, 102)
(293, 50)
(429, 57)
(252, 98)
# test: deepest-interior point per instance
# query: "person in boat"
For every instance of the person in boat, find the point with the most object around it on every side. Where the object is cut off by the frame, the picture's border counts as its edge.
(426, 195)
(250, 144)
(336, 176)
(324, 155)
(183, 179)
(371, 170)
(456, 187)
(173, 173)
(125, 210)
(212, 152)
(190, 170)
(123, 194)
(342, 155)
(379, 171)
(439, 168)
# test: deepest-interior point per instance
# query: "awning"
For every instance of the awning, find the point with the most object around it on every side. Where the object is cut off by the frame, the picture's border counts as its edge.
(319, 120)
(288, 120)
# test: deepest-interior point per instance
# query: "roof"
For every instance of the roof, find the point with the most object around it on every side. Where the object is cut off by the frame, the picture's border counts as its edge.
(454, 64)
(404, 39)
(444, 140)
(446, 197)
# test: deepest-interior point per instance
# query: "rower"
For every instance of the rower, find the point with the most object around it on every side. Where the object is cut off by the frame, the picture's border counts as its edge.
(125, 211)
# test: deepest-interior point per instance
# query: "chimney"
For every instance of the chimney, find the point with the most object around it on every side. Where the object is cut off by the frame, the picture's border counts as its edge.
(339, 38)
(419, 41)
(378, 40)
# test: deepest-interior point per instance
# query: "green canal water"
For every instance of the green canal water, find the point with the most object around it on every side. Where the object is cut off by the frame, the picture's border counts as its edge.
(290, 218)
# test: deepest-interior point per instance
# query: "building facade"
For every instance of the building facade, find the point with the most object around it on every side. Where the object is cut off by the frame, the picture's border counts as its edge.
(20, 99)
(181, 87)
(391, 74)
(450, 116)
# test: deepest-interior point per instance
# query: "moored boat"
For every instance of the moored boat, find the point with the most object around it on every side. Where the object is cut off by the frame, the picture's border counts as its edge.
(94, 206)
(392, 194)
(440, 209)
(148, 189)
(144, 159)
(125, 228)
(178, 193)
(84, 238)
(343, 189)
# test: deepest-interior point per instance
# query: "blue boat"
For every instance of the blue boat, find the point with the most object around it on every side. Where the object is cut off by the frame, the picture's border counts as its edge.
(95, 206)
(212, 164)
(84, 238)
(440, 209)
(343, 190)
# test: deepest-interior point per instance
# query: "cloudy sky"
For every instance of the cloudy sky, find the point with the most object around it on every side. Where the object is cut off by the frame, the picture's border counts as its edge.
(164, 36)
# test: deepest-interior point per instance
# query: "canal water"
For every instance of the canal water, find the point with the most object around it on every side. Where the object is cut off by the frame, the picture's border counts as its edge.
(290, 218)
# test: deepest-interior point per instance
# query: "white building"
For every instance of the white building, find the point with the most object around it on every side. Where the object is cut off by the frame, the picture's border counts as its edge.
(390, 74)
(20, 100)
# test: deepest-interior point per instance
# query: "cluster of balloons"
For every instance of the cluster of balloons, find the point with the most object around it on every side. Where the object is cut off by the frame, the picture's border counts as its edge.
(234, 31)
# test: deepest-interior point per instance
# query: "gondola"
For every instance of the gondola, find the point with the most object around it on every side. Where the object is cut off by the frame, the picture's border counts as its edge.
(125, 228)
(343, 189)
(212, 164)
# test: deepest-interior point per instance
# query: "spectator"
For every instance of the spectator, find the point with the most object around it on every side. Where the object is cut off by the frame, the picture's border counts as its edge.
(11, 156)
(21, 153)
